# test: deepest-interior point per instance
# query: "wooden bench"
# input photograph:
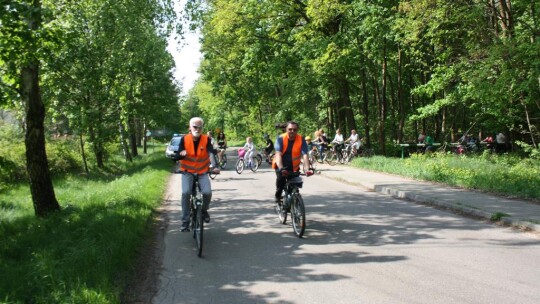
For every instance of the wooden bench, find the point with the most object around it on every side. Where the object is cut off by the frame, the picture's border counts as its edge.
(403, 146)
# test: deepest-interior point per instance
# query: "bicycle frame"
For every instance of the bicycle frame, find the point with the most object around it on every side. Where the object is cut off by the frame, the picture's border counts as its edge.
(196, 206)
(293, 203)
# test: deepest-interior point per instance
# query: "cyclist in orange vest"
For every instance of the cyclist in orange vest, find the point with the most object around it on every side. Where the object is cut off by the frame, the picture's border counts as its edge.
(290, 149)
(196, 155)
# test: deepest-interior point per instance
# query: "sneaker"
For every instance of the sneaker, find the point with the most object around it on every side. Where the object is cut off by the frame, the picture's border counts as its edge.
(206, 216)
(185, 227)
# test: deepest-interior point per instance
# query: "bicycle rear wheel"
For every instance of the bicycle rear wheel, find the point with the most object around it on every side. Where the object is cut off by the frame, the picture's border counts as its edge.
(240, 165)
(255, 164)
(198, 229)
(223, 162)
(298, 215)
(258, 159)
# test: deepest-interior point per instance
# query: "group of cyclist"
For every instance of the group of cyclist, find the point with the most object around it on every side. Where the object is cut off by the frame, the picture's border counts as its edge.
(197, 152)
(320, 142)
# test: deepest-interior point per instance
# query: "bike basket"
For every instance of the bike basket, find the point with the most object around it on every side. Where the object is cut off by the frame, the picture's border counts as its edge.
(241, 152)
(297, 181)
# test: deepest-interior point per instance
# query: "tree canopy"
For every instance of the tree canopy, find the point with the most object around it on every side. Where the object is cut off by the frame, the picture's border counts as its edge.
(392, 69)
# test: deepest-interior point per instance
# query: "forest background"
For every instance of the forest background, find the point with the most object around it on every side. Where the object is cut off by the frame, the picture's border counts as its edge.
(99, 71)
(84, 83)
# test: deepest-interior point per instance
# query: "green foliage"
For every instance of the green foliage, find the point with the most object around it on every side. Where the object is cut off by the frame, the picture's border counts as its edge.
(64, 156)
(393, 67)
(84, 253)
(12, 156)
(503, 174)
(530, 150)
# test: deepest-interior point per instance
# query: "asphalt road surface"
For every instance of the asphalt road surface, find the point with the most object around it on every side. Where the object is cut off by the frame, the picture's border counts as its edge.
(359, 247)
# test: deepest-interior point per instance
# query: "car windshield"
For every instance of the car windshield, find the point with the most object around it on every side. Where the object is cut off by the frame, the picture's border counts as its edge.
(175, 141)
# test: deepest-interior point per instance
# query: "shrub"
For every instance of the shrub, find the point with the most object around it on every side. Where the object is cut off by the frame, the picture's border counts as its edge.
(63, 156)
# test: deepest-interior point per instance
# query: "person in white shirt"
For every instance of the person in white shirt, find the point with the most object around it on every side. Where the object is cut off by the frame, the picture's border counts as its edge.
(354, 139)
(339, 143)
(251, 150)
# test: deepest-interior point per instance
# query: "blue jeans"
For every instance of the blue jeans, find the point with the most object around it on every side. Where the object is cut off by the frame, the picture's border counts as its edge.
(187, 186)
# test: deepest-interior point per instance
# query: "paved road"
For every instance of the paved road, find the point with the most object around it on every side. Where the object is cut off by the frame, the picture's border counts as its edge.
(360, 246)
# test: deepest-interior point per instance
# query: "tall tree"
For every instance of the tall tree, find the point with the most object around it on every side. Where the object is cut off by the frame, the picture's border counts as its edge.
(25, 37)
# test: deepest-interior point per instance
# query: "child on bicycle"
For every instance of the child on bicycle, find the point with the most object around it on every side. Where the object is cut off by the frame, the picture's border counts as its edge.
(251, 151)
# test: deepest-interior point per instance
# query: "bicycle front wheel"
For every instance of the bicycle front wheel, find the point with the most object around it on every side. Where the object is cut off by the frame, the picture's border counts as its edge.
(198, 228)
(281, 213)
(240, 165)
(298, 215)
(330, 158)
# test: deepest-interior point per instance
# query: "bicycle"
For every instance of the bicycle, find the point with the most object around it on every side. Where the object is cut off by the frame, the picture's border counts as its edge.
(241, 163)
(221, 165)
(264, 156)
(223, 162)
(348, 153)
(338, 153)
(312, 162)
(329, 155)
(293, 203)
(196, 213)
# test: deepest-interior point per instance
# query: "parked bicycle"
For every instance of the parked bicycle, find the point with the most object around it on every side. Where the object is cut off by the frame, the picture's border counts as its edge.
(241, 163)
(196, 215)
(293, 203)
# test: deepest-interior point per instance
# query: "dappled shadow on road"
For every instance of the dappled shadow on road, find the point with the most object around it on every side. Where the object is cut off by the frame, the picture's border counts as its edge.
(249, 255)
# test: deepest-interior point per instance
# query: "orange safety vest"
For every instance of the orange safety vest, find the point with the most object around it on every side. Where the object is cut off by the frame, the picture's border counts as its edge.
(296, 151)
(195, 163)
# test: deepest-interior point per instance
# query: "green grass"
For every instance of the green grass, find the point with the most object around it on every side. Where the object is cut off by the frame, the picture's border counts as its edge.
(86, 252)
(502, 174)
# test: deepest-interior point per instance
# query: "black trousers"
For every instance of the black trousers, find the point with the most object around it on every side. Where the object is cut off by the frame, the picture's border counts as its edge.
(280, 184)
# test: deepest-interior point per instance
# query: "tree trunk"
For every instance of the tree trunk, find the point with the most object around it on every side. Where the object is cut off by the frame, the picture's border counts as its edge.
(132, 131)
(97, 147)
(37, 166)
(365, 108)
(382, 106)
(348, 115)
(145, 138)
(83, 154)
(505, 14)
(400, 106)
(123, 142)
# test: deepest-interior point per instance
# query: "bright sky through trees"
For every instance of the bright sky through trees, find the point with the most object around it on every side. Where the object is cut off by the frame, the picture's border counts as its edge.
(186, 56)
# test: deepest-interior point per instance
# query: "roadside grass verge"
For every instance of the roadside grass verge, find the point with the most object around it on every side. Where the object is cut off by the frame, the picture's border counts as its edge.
(501, 174)
(86, 252)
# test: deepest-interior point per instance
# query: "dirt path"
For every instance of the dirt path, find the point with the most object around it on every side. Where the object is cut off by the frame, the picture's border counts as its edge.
(145, 281)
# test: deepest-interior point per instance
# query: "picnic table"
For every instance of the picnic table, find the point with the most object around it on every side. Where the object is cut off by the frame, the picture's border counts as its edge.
(403, 146)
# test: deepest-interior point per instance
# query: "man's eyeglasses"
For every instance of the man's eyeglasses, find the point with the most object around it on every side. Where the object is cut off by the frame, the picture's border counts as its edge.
(292, 129)
(197, 127)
